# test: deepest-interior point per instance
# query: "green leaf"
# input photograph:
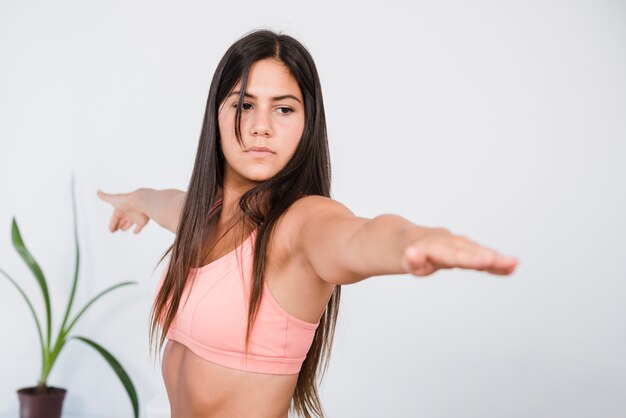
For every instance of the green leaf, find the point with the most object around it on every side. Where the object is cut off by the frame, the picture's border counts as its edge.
(119, 370)
(32, 310)
(18, 243)
(76, 269)
(64, 332)
(99, 295)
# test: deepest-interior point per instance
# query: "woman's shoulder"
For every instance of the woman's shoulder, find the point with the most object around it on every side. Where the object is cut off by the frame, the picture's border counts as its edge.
(313, 205)
(308, 210)
(296, 222)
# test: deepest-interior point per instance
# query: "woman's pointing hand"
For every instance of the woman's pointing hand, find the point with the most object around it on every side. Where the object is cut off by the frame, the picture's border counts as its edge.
(126, 213)
(440, 249)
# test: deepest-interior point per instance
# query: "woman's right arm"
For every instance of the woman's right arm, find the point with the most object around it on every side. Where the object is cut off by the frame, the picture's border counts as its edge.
(143, 204)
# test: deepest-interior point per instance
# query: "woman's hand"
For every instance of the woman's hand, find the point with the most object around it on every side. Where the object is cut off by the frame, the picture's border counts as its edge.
(440, 249)
(126, 213)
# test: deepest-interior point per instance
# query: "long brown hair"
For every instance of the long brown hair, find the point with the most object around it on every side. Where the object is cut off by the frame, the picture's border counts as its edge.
(306, 173)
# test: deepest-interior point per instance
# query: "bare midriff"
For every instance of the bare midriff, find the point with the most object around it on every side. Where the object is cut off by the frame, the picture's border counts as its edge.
(198, 388)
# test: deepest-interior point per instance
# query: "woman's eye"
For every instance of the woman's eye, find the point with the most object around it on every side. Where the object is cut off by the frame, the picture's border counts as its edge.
(283, 110)
(243, 105)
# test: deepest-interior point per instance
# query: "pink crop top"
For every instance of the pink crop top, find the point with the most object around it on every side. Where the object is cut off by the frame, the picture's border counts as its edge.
(212, 322)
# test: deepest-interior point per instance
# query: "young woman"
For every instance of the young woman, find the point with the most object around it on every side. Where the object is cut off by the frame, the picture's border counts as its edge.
(250, 296)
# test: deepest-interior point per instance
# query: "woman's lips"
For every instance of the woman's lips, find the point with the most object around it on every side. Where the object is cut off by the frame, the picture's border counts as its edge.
(260, 151)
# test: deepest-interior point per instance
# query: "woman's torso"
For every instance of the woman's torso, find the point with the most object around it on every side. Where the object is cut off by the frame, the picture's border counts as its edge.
(199, 388)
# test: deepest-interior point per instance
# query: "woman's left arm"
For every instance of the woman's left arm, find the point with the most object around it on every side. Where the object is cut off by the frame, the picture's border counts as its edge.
(345, 249)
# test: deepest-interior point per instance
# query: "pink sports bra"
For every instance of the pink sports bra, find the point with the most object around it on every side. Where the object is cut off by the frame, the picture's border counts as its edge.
(213, 313)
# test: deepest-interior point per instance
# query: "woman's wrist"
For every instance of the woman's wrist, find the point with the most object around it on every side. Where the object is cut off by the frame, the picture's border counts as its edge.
(140, 199)
(163, 205)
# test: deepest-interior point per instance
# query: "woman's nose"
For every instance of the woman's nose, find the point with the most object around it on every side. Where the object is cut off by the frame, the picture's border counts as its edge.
(261, 125)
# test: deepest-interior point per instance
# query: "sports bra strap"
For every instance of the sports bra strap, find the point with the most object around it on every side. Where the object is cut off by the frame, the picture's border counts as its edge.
(215, 205)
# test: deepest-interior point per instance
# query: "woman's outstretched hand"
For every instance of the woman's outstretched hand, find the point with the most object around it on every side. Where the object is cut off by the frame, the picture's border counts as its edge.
(440, 249)
(126, 213)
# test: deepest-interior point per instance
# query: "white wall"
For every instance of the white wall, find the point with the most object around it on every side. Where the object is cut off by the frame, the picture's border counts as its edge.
(503, 121)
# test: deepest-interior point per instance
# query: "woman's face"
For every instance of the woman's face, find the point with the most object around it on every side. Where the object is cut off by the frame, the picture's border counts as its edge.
(272, 117)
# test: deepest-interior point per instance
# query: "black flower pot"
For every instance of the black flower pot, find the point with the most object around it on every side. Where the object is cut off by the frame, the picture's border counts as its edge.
(41, 405)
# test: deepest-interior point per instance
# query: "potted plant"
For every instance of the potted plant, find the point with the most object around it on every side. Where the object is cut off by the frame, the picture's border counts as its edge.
(43, 401)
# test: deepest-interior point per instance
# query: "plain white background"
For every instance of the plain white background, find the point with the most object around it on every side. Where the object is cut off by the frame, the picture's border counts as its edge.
(502, 121)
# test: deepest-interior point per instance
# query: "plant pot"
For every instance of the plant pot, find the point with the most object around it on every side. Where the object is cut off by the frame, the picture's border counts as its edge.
(41, 405)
